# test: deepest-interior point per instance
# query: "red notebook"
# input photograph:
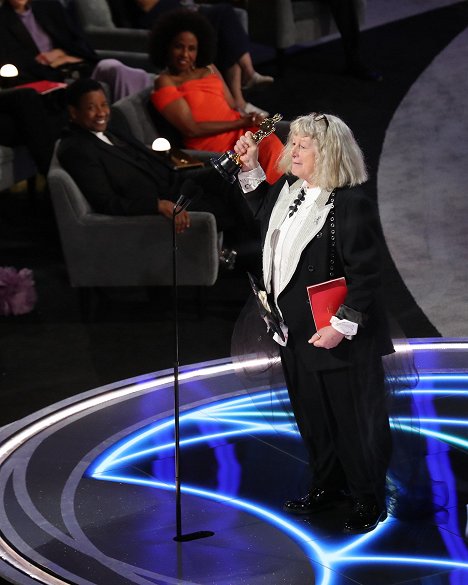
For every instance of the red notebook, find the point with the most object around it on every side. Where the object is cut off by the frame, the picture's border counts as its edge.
(325, 299)
(44, 87)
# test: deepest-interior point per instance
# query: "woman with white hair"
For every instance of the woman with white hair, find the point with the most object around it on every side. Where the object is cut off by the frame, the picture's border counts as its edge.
(318, 225)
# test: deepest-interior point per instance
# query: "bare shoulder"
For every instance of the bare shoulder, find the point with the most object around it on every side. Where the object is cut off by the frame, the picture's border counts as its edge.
(163, 80)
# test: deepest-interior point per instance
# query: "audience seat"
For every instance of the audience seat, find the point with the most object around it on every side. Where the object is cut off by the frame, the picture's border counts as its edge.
(109, 251)
(131, 114)
(125, 44)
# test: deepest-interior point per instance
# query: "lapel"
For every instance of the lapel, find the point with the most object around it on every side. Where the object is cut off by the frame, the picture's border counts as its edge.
(86, 138)
(117, 150)
(313, 223)
(156, 170)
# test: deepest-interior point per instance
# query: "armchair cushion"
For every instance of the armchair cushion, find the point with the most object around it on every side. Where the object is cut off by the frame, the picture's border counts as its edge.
(95, 18)
(136, 113)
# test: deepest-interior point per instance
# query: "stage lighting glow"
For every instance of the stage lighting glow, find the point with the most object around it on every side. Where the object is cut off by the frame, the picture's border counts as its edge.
(253, 414)
(427, 561)
(315, 552)
(205, 413)
(444, 377)
(444, 437)
(250, 416)
(437, 421)
(443, 345)
(434, 392)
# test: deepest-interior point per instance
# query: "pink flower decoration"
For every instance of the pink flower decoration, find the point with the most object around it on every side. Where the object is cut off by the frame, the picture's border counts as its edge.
(17, 291)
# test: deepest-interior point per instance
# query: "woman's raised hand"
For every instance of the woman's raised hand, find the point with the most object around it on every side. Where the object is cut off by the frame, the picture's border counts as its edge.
(247, 149)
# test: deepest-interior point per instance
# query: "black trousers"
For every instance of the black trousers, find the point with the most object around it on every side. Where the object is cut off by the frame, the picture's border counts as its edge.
(232, 40)
(342, 418)
(347, 22)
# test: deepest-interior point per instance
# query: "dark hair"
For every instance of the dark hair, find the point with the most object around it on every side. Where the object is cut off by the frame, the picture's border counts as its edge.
(76, 90)
(170, 24)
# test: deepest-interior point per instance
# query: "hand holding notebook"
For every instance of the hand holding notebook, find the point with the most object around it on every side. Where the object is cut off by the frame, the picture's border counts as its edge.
(325, 299)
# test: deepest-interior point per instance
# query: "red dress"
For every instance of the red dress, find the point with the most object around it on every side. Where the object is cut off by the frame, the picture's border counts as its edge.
(207, 103)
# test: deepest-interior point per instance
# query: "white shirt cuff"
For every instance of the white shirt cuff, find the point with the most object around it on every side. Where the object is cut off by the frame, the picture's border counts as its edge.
(250, 180)
(347, 328)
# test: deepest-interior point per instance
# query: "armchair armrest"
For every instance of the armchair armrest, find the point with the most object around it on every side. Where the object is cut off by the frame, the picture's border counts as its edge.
(138, 250)
(107, 250)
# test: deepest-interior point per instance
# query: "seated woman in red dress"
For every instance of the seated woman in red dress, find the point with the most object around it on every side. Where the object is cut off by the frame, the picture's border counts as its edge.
(191, 94)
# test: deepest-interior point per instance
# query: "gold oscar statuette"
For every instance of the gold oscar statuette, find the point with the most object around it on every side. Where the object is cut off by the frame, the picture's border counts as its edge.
(228, 164)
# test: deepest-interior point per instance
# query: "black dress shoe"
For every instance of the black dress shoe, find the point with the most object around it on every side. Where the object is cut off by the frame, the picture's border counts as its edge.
(315, 501)
(364, 516)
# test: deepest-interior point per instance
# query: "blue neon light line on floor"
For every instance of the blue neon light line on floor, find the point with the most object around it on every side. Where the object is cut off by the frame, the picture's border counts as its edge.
(235, 412)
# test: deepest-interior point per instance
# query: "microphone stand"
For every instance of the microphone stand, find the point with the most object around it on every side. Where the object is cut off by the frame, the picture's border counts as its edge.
(178, 208)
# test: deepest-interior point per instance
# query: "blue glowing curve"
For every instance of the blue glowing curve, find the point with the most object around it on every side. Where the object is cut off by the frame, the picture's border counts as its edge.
(253, 415)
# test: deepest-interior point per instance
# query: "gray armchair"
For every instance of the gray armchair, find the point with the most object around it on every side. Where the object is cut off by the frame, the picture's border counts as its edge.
(107, 251)
(126, 44)
(132, 114)
(284, 23)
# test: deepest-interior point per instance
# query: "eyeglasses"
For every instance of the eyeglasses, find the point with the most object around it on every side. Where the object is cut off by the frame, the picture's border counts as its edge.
(319, 118)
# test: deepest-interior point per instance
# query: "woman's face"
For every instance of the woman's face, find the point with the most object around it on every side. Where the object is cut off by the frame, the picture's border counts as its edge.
(303, 156)
(182, 54)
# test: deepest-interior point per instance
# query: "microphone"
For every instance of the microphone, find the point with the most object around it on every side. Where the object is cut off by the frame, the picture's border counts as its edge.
(188, 191)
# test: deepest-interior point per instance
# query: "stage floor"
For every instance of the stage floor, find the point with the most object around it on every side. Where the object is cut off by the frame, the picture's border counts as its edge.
(87, 487)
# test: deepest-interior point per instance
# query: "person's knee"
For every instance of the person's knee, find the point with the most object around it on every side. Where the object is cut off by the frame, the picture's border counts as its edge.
(107, 67)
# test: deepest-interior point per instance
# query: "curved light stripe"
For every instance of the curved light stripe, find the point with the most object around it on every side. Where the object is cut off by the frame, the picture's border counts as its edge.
(407, 560)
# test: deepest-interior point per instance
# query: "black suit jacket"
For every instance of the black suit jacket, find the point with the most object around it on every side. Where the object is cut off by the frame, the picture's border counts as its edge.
(18, 47)
(357, 259)
(116, 180)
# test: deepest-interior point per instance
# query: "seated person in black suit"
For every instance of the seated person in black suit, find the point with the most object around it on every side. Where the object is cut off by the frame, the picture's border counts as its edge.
(44, 44)
(122, 176)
